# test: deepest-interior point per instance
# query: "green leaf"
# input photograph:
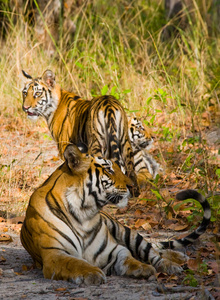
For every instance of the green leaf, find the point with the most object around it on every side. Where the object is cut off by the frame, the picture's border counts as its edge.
(104, 90)
(149, 100)
(218, 172)
(158, 195)
(79, 65)
(126, 91)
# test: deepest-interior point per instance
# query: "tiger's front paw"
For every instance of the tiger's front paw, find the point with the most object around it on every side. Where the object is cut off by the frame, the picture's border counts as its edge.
(93, 276)
(75, 270)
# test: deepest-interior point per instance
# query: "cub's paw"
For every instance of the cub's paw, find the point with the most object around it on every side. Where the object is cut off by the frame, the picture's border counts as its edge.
(135, 268)
(167, 266)
(174, 256)
(169, 261)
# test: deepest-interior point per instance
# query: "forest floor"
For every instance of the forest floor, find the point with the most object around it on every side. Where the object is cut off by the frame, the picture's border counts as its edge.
(28, 156)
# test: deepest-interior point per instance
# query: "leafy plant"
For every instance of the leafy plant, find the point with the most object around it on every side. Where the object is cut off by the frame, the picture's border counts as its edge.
(190, 279)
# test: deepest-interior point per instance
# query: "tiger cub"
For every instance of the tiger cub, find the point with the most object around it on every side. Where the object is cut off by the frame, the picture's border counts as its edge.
(71, 239)
(100, 124)
(141, 141)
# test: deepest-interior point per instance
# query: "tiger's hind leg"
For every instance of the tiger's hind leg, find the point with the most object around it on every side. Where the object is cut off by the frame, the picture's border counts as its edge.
(60, 266)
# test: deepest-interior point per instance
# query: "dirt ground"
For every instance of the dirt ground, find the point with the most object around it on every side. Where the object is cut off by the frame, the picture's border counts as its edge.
(19, 280)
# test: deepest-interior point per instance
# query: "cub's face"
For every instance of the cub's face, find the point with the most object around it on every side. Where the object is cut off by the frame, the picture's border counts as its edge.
(35, 99)
(140, 136)
(37, 95)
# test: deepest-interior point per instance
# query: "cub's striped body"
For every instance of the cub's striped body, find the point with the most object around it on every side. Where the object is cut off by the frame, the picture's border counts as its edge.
(71, 239)
(100, 124)
(141, 141)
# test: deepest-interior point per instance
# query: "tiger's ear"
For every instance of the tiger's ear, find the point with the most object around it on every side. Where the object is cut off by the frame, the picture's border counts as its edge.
(48, 78)
(26, 75)
(72, 156)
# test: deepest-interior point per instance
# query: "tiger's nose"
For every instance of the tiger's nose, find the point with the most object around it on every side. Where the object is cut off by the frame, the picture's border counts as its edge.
(25, 108)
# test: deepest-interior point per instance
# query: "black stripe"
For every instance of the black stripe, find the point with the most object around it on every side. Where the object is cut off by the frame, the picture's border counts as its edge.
(94, 232)
(101, 248)
(109, 270)
(138, 241)
(127, 238)
(56, 248)
(52, 226)
(146, 252)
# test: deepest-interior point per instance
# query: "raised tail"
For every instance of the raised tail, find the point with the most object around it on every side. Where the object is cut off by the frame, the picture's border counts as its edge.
(189, 239)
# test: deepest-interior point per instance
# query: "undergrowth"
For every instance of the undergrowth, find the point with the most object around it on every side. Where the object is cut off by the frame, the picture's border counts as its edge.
(117, 49)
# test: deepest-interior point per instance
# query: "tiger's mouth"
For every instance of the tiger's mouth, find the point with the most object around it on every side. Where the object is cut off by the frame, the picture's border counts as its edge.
(32, 114)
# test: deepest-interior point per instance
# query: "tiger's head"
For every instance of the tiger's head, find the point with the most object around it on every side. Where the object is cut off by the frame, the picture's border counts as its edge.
(97, 180)
(140, 136)
(40, 95)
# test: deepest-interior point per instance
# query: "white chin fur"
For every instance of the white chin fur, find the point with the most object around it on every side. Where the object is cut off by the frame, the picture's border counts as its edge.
(33, 118)
(123, 202)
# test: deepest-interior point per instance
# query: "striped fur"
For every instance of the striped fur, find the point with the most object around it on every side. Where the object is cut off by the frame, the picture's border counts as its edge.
(66, 233)
(141, 141)
(100, 124)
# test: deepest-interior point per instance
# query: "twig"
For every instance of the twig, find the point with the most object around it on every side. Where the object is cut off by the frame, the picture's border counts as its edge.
(182, 289)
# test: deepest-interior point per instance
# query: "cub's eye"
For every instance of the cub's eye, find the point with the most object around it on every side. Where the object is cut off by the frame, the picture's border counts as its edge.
(24, 93)
(38, 94)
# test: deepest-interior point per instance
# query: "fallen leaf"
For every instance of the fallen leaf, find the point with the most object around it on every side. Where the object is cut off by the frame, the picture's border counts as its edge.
(60, 289)
(146, 226)
(138, 213)
(214, 265)
(55, 158)
(24, 268)
(193, 264)
(5, 238)
(2, 259)
(139, 223)
(177, 227)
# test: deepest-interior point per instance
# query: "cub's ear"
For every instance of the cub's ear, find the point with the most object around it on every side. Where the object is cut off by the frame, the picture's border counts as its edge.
(26, 75)
(72, 156)
(48, 78)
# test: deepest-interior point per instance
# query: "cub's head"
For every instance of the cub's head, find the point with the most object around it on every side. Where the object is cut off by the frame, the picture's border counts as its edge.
(102, 181)
(40, 95)
(140, 136)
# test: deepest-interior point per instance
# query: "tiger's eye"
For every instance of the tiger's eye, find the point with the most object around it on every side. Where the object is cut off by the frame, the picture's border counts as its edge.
(38, 94)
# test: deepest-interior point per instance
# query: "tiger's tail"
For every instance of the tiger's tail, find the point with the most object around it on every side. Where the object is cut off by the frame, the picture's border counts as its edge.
(189, 239)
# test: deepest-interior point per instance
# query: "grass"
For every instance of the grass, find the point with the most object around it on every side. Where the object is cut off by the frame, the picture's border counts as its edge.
(118, 49)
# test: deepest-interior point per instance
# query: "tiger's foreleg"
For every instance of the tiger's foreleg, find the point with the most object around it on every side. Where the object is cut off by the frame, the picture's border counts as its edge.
(129, 266)
(167, 261)
(58, 265)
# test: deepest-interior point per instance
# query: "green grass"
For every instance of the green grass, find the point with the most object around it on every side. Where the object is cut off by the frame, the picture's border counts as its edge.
(117, 49)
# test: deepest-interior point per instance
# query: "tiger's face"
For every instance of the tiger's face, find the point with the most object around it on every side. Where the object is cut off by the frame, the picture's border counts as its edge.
(39, 95)
(103, 180)
(140, 136)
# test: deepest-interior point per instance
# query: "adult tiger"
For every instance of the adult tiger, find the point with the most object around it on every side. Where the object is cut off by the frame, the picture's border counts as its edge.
(100, 124)
(66, 234)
